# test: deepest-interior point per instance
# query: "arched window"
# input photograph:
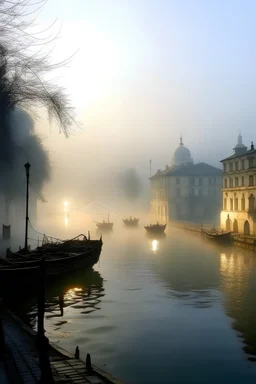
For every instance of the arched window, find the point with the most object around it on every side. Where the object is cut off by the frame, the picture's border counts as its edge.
(251, 180)
(231, 205)
(236, 204)
(235, 226)
(243, 203)
(251, 202)
(225, 204)
(246, 228)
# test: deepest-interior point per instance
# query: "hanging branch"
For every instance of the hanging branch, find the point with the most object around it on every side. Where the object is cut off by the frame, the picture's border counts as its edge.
(22, 74)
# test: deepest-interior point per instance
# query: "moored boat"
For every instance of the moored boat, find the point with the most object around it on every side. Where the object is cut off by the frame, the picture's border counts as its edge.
(155, 228)
(22, 272)
(60, 259)
(218, 237)
(105, 225)
(131, 221)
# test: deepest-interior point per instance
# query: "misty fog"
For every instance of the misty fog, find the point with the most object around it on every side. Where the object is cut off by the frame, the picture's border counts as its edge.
(145, 72)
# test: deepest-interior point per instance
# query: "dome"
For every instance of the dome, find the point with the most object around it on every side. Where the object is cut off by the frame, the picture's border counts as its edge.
(182, 155)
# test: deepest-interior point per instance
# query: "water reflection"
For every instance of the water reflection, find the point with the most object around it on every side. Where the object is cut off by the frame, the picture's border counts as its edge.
(239, 287)
(80, 292)
(154, 245)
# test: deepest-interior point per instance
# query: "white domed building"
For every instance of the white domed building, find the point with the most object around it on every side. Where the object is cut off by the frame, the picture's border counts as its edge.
(182, 155)
(186, 191)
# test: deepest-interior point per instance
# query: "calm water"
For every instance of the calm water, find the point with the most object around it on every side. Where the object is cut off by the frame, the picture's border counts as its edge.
(159, 311)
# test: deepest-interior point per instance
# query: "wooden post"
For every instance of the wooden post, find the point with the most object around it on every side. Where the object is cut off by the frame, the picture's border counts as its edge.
(88, 363)
(77, 353)
(42, 340)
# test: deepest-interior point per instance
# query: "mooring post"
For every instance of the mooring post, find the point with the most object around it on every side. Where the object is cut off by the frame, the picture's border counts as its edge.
(77, 353)
(88, 362)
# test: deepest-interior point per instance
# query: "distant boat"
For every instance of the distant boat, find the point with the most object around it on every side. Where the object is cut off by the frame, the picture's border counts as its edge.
(105, 225)
(131, 221)
(218, 237)
(155, 228)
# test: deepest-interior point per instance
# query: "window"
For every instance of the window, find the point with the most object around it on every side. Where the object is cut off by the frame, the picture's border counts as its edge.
(210, 181)
(191, 181)
(243, 203)
(231, 204)
(200, 191)
(236, 165)
(177, 191)
(236, 204)
(230, 182)
(200, 181)
(236, 181)
(251, 162)
(251, 202)
(225, 205)
(230, 167)
(243, 164)
(251, 180)
(191, 192)
(242, 181)
(177, 180)
(226, 183)
(225, 168)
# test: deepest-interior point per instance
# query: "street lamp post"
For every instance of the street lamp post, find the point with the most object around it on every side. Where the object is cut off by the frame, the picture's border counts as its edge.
(27, 167)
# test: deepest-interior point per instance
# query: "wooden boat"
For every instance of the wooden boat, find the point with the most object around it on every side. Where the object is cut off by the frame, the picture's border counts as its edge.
(79, 243)
(218, 237)
(24, 271)
(60, 259)
(105, 225)
(131, 221)
(155, 228)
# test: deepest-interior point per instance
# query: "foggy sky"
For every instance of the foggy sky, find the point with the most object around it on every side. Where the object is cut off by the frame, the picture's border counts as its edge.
(147, 71)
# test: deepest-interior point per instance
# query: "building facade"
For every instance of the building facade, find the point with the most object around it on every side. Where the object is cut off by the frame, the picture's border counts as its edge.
(186, 191)
(238, 212)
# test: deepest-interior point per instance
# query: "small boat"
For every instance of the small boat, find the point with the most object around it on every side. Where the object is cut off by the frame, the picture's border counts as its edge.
(131, 221)
(105, 225)
(155, 228)
(218, 237)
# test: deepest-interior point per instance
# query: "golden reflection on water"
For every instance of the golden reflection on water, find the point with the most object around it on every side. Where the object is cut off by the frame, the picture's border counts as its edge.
(155, 245)
(237, 271)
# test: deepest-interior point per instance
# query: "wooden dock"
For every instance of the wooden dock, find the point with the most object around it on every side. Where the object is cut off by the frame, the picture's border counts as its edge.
(19, 358)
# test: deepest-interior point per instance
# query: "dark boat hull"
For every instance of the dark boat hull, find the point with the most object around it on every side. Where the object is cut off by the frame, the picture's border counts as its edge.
(155, 229)
(23, 273)
(105, 226)
(219, 238)
(131, 223)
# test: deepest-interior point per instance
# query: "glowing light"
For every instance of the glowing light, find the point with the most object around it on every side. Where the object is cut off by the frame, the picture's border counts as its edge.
(155, 244)
(65, 204)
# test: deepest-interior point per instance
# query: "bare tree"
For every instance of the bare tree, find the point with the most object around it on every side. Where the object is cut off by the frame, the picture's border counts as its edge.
(23, 68)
